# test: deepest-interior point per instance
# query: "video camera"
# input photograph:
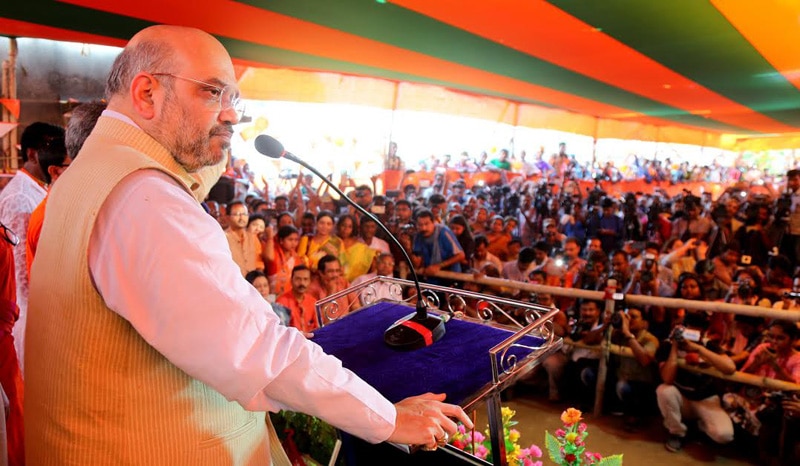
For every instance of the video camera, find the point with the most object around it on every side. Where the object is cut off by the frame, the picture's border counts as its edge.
(680, 334)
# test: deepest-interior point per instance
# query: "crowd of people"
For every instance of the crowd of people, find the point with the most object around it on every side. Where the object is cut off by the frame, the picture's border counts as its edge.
(740, 248)
(139, 298)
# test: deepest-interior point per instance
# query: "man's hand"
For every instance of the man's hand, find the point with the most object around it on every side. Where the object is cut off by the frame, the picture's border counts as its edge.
(424, 420)
(431, 269)
(626, 324)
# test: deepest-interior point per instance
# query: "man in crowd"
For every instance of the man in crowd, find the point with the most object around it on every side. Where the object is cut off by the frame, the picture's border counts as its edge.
(203, 354)
(330, 281)
(42, 147)
(635, 375)
(608, 227)
(690, 394)
(301, 305)
(384, 267)
(246, 248)
(435, 247)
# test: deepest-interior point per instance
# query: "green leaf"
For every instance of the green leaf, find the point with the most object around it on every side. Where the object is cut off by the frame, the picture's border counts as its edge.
(613, 460)
(553, 448)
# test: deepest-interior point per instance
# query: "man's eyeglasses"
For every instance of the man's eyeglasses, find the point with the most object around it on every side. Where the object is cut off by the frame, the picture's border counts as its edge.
(8, 235)
(220, 98)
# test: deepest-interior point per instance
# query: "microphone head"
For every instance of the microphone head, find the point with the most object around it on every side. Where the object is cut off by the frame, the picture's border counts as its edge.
(269, 146)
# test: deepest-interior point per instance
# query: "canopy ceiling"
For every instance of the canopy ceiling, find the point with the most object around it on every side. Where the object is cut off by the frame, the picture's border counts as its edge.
(718, 66)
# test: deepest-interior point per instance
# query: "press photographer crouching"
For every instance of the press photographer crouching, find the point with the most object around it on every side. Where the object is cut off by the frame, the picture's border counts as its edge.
(689, 394)
(636, 376)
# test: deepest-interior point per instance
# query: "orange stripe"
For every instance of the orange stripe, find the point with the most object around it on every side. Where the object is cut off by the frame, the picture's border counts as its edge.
(773, 30)
(251, 24)
(531, 26)
(11, 27)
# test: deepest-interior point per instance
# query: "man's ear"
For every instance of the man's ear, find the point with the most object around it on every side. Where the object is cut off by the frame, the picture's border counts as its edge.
(143, 89)
(54, 171)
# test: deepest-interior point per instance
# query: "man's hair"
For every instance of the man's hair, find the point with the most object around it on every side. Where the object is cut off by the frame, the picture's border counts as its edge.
(583, 301)
(148, 56)
(793, 173)
(282, 196)
(52, 154)
(233, 204)
(526, 255)
(572, 239)
(481, 239)
(402, 202)
(298, 268)
(81, 124)
(326, 259)
(424, 213)
(37, 136)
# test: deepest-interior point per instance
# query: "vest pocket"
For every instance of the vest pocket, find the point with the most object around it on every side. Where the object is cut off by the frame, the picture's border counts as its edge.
(230, 435)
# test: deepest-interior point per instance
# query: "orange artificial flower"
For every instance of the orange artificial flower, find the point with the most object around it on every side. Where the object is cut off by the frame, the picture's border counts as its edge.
(570, 416)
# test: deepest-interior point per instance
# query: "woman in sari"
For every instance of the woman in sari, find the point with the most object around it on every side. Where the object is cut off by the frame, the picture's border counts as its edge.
(322, 243)
(282, 258)
(356, 257)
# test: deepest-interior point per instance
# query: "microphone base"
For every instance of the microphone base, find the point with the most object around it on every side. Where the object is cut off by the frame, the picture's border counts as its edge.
(412, 332)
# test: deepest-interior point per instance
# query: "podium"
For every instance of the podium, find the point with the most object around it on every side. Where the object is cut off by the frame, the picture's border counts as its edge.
(475, 360)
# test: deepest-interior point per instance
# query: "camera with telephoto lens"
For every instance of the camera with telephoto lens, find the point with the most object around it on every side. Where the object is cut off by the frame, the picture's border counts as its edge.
(744, 289)
(791, 295)
(647, 272)
(680, 334)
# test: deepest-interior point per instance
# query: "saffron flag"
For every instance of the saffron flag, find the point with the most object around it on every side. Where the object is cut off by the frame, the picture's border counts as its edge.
(12, 105)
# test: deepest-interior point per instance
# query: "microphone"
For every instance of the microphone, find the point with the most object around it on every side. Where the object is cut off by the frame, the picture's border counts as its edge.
(411, 332)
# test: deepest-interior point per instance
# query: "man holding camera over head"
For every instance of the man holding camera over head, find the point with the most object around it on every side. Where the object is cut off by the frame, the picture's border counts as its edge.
(691, 394)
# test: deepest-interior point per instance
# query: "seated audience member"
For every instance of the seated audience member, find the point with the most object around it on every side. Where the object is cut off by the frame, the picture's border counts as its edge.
(750, 407)
(746, 336)
(331, 281)
(726, 264)
(324, 242)
(595, 273)
(790, 299)
(514, 247)
(368, 229)
(460, 227)
(498, 238)
(682, 256)
(260, 282)
(551, 236)
(384, 267)
(713, 288)
(299, 302)
(573, 263)
(777, 277)
(636, 375)
(685, 394)
(355, 256)
(593, 244)
(481, 257)
(281, 257)
(746, 289)
(246, 248)
(542, 261)
(520, 269)
(435, 248)
(256, 224)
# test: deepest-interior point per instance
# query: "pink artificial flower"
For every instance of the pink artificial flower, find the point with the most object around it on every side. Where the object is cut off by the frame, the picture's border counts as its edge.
(581, 428)
(535, 451)
(462, 429)
(481, 452)
(478, 437)
(560, 433)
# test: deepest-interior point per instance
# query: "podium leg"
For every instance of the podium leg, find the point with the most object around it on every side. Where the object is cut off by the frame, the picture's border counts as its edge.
(495, 415)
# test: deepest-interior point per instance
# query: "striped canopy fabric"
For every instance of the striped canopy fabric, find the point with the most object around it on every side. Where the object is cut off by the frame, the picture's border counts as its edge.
(713, 66)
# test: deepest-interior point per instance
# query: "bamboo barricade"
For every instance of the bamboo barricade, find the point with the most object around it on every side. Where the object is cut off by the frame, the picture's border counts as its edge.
(642, 300)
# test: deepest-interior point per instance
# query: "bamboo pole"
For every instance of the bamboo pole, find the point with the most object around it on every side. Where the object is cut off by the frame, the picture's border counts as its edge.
(641, 300)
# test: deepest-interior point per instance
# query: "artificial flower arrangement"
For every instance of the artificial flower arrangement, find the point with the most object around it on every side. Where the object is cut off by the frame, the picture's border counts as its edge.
(566, 448)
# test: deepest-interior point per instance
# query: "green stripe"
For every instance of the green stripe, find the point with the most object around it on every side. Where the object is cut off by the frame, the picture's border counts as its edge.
(406, 29)
(694, 39)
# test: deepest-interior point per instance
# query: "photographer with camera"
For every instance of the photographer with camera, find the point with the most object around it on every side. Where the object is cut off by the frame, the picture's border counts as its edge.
(790, 243)
(689, 394)
(608, 227)
(746, 289)
(649, 279)
(636, 375)
(754, 408)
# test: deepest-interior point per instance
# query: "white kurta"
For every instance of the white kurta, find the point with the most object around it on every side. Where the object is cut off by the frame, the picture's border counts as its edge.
(17, 200)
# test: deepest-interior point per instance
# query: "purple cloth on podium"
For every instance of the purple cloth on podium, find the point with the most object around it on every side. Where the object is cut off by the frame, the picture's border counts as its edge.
(458, 364)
